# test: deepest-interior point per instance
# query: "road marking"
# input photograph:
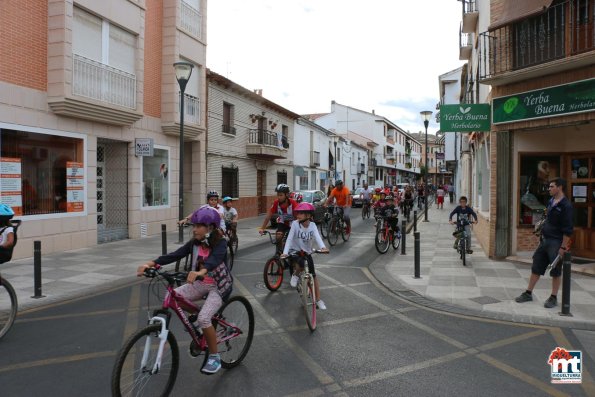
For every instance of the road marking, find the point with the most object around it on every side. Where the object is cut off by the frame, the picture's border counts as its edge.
(511, 340)
(308, 393)
(587, 384)
(521, 375)
(272, 323)
(132, 316)
(57, 360)
(402, 370)
(356, 292)
(290, 290)
(339, 321)
(71, 315)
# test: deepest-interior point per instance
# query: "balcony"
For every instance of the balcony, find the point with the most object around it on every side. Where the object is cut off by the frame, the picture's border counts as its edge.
(314, 159)
(470, 15)
(390, 159)
(191, 109)
(228, 129)
(560, 39)
(362, 169)
(465, 45)
(190, 19)
(266, 145)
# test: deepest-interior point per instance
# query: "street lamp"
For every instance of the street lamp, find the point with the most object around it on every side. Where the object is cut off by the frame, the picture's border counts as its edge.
(335, 140)
(183, 72)
(426, 115)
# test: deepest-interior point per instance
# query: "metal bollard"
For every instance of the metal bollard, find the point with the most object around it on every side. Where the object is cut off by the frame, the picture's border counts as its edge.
(415, 221)
(566, 285)
(417, 256)
(163, 239)
(37, 270)
(403, 236)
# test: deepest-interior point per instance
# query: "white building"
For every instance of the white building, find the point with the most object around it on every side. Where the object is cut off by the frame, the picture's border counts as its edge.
(312, 156)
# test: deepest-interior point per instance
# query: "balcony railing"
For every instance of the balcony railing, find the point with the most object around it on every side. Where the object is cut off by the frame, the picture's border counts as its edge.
(105, 83)
(470, 15)
(190, 19)
(228, 129)
(564, 30)
(264, 137)
(191, 109)
(469, 6)
(315, 159)
(464, 45)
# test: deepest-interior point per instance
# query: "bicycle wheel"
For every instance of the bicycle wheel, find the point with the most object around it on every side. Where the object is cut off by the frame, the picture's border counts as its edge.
(463, 249)
(382, 241)
(8, 306)
(333, 232)
(364, 212)
(130, 377)
(344, 233)
(309, 301)
(396, 241)
(324, 226)
(234, 324)
(273, 274)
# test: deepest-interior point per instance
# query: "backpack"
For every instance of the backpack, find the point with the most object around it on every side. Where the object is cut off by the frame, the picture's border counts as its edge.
(6, 253)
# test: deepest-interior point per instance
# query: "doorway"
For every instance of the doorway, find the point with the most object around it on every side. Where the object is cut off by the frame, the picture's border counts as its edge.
(112, 190)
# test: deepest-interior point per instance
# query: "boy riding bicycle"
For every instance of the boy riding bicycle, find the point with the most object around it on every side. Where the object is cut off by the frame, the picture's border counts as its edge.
(390, 213)
(230, 215)
(283, 209)
(464, 221)
(302, 234)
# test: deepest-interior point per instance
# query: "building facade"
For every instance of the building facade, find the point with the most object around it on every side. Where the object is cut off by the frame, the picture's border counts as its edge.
(312, 157)
(80, 81)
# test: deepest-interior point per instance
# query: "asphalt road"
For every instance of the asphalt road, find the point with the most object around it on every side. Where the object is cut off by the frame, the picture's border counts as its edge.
(368, 343)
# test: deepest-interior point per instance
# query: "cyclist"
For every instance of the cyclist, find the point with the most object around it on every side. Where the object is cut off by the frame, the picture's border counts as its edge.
(407, 199)
(213, 202)
(209, 258)
(6, 233)
(230, 214)
(390, 213)
(463, 219)
(421, 192)
(366, 194)
(376, 195)
(302, 234)
(342, 197)
(283, 208)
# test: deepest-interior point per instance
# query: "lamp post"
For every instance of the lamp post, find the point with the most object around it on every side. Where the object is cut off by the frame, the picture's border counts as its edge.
(183, 72)
(426, 115)
(335, 140)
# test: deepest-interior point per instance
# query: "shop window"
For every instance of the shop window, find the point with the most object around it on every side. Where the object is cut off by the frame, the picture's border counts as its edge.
(42, 173)
(535, 173)
(155, 171)
(304, 182)
(230, 182)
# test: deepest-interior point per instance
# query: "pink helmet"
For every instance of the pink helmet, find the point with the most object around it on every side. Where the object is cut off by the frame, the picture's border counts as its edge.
(304, 207)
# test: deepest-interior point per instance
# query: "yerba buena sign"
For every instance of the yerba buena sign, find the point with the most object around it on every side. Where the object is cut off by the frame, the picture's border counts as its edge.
(465, 118)
(560, 100)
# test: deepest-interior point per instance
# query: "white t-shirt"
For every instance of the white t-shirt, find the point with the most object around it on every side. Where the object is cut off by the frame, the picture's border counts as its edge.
(300, 238)
(228, 215)
(4, 235)
(219, 209)
(367, 193)
(440, 192)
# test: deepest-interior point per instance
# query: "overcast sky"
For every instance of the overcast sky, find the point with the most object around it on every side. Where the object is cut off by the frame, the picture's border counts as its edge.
(384, 55)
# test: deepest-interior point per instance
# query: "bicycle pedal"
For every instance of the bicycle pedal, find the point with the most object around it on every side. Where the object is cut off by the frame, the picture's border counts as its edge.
(194, 350)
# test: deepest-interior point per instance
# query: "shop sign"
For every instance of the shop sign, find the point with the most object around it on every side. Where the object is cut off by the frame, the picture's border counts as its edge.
(143, 147)
(439, 156)
(578, 97)
(465, 117)
(75, 186)
(323, 175)
(10, 184)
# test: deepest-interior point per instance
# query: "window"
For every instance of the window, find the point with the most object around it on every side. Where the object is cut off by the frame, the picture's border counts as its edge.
(304, 182)
(155, 171)
(42, 173)
(228, 118)
(285, 133)
(281, 177)
(536, 172)
(230, 182)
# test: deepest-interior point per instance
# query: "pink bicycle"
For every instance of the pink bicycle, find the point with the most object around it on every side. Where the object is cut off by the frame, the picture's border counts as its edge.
(148, 362)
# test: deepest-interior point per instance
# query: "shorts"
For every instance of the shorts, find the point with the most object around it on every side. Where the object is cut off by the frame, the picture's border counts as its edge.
(440, 199)
(545, 254)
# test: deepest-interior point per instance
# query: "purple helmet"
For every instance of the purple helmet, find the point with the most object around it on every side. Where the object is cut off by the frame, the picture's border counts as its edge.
(206, 216)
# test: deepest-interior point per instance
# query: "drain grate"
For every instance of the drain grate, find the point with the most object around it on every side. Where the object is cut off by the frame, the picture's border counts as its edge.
(485, 300)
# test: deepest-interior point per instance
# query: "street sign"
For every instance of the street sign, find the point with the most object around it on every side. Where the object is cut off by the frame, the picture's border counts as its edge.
(143, 147)
(465, 117)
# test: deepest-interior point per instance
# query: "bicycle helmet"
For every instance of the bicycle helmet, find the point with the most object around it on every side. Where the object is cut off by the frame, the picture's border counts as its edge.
(212, 193)
(205, 216)
(304, 207)
(377, 190)
(6, 212)
(282, 188)
(339, 182)
(226, 199)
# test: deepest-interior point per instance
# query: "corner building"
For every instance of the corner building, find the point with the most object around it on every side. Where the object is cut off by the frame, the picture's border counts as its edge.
(80, 81)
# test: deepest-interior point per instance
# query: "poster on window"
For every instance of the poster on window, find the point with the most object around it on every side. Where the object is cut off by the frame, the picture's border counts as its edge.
(75, 186)
(10, 184)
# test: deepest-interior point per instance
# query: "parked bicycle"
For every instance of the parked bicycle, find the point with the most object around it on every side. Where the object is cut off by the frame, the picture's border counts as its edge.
(148, 362)
(275, 265)
(385, 236)
(8, 297)
(337, 226)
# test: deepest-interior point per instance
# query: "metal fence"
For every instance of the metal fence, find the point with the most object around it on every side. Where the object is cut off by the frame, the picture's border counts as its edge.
(192, 109)
(190, 19)
(264, 137)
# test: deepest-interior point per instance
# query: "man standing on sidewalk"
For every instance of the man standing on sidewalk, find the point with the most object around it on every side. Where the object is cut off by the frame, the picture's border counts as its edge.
(555, 240)
(451, 192)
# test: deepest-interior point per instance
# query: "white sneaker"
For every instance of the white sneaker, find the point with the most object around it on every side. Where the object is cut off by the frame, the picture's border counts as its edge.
(320, 304)
(294, 281)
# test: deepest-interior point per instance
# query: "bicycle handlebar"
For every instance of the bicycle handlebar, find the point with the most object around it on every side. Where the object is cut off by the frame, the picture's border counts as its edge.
(171, 277)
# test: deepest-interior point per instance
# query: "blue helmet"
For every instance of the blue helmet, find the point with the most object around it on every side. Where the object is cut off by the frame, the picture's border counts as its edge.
(226, 199)
(6, 212)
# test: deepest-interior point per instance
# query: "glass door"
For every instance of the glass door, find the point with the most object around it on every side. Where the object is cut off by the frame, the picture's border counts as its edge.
(581, 192)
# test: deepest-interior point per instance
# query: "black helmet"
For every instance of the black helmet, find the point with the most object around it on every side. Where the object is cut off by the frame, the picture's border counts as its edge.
(282, 188)
(339, 182)
(212, 193)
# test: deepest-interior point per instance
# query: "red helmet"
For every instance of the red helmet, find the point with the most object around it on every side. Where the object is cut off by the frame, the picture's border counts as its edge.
(304, 207)
(377, 190)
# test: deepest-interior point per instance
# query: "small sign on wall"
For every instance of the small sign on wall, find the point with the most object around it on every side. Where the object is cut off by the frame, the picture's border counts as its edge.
(143, 147)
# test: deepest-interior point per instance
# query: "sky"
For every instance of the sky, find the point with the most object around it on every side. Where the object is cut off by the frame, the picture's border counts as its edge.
(382, 55)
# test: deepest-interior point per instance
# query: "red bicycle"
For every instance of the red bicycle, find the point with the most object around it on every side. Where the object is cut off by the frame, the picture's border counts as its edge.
(385, 236)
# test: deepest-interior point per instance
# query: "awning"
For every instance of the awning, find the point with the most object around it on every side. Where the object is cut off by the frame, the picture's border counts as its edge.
(515, 10)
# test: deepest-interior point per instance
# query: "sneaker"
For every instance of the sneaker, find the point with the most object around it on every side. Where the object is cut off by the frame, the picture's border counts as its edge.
(294, 281)
(320, 304)
(469, 251)
(212, 365)
(552, 301)
(524, 297)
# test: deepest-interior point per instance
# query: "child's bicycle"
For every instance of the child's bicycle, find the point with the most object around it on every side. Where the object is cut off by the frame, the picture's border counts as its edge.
(385, 236)
(461, 234)
(8, 297)
(232, 244)
(305, 287)
(337, 226)
(274, 266)
(151, 354)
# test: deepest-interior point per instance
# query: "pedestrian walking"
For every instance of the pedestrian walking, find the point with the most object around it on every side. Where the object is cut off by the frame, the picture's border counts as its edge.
(440, 193)
(554, 241)
(451, 192)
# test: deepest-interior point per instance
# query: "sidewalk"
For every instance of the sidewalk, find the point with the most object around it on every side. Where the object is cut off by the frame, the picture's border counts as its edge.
(485, 287)
(88, 270)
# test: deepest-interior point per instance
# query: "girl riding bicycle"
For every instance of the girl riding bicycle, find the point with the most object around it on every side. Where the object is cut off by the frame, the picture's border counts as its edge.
(209, 258)
(301, 236)
(6, 233)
